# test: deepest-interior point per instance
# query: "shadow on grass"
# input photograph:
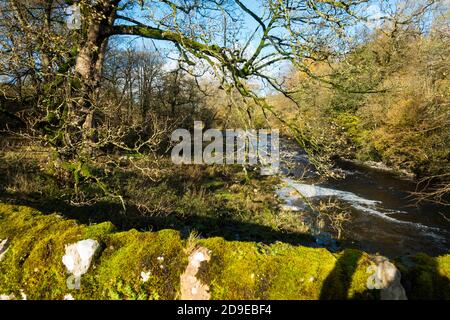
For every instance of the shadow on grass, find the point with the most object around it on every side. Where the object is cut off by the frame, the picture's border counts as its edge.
(206, 226)
(49, 198)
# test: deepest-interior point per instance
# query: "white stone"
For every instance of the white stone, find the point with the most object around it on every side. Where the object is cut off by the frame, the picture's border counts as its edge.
(7, 297)
(145, 276)
(78, 256)
(191, 287)
(68, 297)
(4, 246)
(198, 257)
(386, 278)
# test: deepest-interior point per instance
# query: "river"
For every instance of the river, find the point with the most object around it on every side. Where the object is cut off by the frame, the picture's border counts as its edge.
(383, 217)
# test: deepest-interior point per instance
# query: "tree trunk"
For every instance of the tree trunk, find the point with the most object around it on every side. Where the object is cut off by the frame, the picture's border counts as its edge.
(88, 68)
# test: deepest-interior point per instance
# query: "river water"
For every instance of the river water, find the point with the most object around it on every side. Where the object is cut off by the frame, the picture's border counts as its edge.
(383, 216)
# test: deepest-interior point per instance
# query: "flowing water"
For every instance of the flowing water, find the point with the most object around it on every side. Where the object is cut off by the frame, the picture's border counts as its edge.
(384, 217)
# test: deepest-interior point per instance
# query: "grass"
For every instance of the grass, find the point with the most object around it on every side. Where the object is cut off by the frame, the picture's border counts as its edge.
(215, 200)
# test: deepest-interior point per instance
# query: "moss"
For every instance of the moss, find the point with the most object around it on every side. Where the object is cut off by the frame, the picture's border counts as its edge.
(348, 280)
(297, 272)
(280, 271)
(232, 269)
(237, 270)
(99, 231)
(117, 273)
(425, 277)
(34, 261)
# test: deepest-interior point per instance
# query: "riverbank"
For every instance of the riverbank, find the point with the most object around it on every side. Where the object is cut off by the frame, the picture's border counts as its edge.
(380, 166)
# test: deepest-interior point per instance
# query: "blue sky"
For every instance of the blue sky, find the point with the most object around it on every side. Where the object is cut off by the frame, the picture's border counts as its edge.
(250, 25)
(168, 49)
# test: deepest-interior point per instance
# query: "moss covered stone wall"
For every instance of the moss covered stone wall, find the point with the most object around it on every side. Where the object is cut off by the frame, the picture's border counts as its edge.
(148, 265)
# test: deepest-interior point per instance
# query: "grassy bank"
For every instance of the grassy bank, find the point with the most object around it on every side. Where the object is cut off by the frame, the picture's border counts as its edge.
(225, 201)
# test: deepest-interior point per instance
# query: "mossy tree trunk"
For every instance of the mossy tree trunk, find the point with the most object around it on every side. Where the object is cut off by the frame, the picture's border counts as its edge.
(89, 65)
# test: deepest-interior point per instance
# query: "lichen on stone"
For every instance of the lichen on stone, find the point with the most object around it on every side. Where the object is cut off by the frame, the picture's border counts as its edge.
(191, 287)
